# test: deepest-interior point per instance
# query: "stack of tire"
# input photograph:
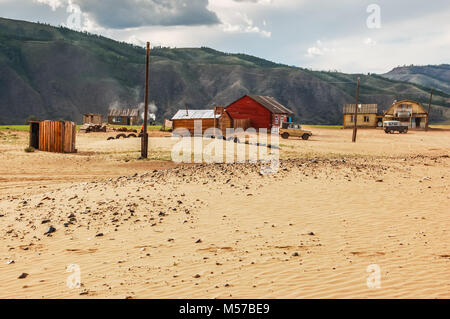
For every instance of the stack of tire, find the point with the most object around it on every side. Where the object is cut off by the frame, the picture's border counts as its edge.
(122, 135)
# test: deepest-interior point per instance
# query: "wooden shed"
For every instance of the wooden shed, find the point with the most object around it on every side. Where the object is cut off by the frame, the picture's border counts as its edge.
(187, 118)
(261, 111)
(217, 118)
(123, 117)
(223, 119)
(53, 136)
(408, 112)
(91, 118)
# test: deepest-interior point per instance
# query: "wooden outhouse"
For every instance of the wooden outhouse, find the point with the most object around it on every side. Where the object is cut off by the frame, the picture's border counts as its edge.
(53, 136)
(91, 118)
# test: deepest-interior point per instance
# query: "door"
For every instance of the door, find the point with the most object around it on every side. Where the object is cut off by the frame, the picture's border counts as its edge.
(34, 135)
(417, 121)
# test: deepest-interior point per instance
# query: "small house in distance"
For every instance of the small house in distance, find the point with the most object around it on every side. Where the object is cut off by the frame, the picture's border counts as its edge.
(186, 119)
(262, 111)
(217, 118)
(91, 118)
(408, 112)
(123, 117)
(368, 116)
(53, 136)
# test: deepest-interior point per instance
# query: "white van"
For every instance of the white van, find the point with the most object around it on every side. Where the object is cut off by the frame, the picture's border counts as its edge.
(394, 126)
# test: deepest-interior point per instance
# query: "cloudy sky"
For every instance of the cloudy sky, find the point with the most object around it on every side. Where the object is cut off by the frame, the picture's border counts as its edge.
(345, 35)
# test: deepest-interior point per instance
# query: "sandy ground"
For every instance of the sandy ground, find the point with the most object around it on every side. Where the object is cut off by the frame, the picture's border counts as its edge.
(156, 229)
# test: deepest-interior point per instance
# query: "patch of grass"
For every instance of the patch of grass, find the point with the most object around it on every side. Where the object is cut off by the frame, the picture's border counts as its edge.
(29, 149)
(19, 128)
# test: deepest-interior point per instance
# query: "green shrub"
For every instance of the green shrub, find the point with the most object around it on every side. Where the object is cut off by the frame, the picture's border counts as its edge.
(30, 118)
(29, 149)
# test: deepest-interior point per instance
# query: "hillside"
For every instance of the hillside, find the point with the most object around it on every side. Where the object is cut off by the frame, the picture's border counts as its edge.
(57, 73)
(435, 76)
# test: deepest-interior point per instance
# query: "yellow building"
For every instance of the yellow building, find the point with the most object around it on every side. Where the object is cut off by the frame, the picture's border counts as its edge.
(408, 112)
(367, 116)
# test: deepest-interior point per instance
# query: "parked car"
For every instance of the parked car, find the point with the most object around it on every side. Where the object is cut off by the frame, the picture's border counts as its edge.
(394, 126)
(290, 129)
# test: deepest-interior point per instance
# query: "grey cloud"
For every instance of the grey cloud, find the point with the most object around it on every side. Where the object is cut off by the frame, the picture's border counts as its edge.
(31, 11)
(119, 14)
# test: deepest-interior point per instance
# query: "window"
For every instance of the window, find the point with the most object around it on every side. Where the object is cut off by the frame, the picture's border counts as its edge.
(276, 119)
(352, 119)
(366, 119)
(117, 119)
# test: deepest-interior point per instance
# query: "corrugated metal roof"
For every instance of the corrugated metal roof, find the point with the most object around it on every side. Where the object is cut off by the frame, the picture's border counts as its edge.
(271, 104)
(362, 108)
(124, 112)
(194, 114)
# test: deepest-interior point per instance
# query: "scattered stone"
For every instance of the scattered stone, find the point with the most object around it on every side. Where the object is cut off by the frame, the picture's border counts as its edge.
(198, 241)
(9, 262)
(197, 276)
(99, 235)
(50, 230)
(23, 275)
(295, 254)
(45, 221)
(311, 234)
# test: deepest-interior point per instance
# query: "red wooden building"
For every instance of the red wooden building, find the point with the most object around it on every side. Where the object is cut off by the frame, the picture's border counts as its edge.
(262, 111)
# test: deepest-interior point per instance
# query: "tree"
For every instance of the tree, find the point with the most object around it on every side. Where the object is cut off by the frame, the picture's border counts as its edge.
(30, 118)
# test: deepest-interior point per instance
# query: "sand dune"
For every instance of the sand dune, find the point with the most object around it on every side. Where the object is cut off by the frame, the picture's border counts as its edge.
(159, 230)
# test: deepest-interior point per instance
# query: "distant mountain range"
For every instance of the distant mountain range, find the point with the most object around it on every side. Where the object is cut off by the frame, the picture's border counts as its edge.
(57, 73)
(432, 76)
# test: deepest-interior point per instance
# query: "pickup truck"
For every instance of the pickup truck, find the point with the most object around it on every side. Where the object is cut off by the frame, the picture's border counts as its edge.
(394, 126)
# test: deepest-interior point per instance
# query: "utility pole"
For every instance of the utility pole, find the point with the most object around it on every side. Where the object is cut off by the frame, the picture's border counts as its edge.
(144, 138)
(429, 110)
(355, 116)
